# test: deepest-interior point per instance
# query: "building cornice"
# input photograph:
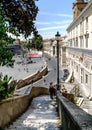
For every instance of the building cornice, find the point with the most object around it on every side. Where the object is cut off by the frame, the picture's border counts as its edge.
(81, 14)
(82, 50)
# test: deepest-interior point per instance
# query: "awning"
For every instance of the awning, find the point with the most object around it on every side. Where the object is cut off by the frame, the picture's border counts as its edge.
(33, 55)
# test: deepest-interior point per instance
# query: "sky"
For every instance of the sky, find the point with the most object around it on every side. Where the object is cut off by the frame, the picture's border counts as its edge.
(53, 16)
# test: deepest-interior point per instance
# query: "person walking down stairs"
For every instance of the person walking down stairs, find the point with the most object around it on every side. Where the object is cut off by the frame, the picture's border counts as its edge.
(52, 90)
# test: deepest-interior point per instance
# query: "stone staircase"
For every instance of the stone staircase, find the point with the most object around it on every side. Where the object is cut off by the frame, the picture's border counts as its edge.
(41, 115)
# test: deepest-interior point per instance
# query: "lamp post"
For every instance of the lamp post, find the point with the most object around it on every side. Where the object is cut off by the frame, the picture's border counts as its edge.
(57, 39)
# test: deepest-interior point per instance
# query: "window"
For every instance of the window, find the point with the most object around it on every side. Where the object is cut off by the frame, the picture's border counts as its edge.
(76, 41)
(81, 79)
(86, 23)
(81, 75)
(82, 26)
(64, 49)
(81, 41)
(71, 42)
(86, 78)
(86, 40)
(77, 68)
(91, 67)
(76, 30)
(81, 71)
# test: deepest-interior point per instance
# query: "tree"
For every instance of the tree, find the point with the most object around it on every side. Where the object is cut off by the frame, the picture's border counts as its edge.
(37, 42)
(5, 40)
(15, 15)
(6, 87)
(22, 14)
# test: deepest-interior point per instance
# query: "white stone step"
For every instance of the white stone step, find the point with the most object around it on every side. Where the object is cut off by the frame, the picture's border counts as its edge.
(41, 115)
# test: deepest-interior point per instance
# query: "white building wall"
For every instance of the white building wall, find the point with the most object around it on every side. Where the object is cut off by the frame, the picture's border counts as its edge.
(81, 61)
(79, 29)
(90, 32)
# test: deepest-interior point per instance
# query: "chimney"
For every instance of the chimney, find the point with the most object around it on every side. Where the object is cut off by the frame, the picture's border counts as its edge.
(78, 7)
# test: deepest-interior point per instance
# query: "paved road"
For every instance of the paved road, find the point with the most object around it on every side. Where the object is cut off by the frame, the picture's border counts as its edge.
(41, 115)
(22, 70)
(52, 74)
(50, 77)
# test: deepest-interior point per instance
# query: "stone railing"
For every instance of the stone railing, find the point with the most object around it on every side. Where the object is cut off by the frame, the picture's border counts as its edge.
(32, 78)
(72, 117)
(13, 107)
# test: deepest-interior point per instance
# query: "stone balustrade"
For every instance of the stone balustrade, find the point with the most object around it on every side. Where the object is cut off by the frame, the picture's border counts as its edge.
(12, 108)
(72, 117)
(32, 78)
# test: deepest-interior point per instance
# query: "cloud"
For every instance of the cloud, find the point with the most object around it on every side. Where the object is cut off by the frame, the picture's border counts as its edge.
(51, 34)
(42, 23)
(65, 15)
(56, 14)
(53, 28)
(62, 22)
(53, 22)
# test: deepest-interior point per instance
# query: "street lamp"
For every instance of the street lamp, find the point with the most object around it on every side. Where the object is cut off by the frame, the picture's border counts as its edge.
(57, 39)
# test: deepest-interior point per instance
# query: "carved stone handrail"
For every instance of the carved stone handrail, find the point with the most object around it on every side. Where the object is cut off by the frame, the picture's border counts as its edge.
(71, 116)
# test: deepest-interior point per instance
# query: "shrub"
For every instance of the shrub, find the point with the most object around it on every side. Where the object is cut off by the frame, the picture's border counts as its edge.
(6, 88)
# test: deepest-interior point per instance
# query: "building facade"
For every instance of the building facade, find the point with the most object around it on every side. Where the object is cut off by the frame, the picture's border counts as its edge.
(79, 51)
(47, 46)
(16, 47)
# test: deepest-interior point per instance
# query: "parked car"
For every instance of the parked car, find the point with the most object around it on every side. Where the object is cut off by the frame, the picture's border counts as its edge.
(30, 61)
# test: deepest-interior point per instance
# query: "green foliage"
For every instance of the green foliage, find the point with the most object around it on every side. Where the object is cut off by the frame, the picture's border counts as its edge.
(22, 14)
(5, 40)
(37, 42)
(72, 79)
(75, 99)
(6, 89)
(2, 128)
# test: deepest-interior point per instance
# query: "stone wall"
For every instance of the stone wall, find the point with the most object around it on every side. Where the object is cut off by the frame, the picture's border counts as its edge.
(32, 78)
(72, 117)
(69, 96)
(12, 108)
